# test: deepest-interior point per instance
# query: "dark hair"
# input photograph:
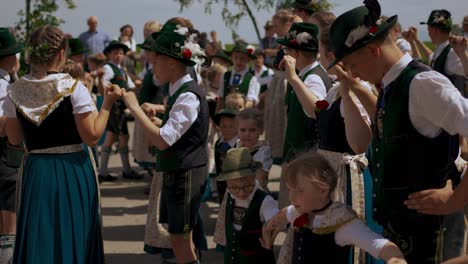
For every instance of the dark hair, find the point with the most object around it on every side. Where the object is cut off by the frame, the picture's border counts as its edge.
(126, 26)
(314, 167)
(252, 114)
(45, 43)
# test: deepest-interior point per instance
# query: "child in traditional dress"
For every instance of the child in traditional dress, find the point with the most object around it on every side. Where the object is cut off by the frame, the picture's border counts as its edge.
(250, 127)
(227, 125)
(262, 73)
(240, 79)
(247, 208)
(323, 229)
(117, 126)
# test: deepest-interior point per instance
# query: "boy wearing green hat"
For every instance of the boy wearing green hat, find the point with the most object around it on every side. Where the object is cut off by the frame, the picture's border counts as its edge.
(117, 127)
(8, 173)
(414, 144)
(443, 59)
(304, 9)
(181, 138)
(240, 79)
(222, 58)
(77, 50)
(247, 209)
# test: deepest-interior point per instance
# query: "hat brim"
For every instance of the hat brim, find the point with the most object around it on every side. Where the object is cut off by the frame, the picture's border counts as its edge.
(16, 48)
(163, 51)
(389, 23)
(116, 46)
(286, 43)
(299, 6)
(83, 51)
(239, 173)
(225, 58)
(218, 116)
(251, 56)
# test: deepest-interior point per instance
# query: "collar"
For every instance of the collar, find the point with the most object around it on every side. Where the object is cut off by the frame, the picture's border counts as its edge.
(440, 48)
(232, 142)
(308, 68)
(173, 87)
(116, 65)
(396, 69)
(242, 73)
(264, 68)
(4, 75)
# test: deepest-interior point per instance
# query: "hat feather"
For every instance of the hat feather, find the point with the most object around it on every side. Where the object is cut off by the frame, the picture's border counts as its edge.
(374, 12)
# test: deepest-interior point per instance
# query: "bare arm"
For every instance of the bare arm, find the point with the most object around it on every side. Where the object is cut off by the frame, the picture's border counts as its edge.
(91, 125)
(13, 131)
(460, 45)
(392, 254)
(358, 131)
(422, 48)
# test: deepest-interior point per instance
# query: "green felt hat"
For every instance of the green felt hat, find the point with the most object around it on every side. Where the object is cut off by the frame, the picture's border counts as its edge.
(440, 19)
(8, 43)
(223, 55)
(301, 36)
(148, 42)
(304, 4)
(357, 28)
(173, 44)
(114, 44)
(76, 46)
(238, 163)
(227, 112)
(241, 46)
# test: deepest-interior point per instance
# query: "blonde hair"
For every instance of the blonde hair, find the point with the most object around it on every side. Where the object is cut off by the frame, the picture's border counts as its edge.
(213, 71)
(74, 69)
(324, 19)
(45, 44)
(313, 167)
(284, 16)
(252, 114)
(231, 99)
(153, 26)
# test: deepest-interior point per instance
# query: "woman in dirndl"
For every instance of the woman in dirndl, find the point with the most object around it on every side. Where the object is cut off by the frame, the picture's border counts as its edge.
(59, 217)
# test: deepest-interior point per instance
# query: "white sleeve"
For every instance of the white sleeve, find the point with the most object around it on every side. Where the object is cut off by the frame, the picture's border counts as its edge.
(434, 101)
(254, 90)
(359, 105)
(268, 209)
(3, 94)
(453, 64)
(133, 48)
(181, 117)
(108, 75)
(264, 156)
(130, 83)
(81, 100)
(291, 213)
(358, 234)
(315, 85)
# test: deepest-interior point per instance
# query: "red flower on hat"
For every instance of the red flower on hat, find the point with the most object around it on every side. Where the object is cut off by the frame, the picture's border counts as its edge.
(373, 29)
(187, 54)
(321, 105)
(250, 50)
(293, 42)
(301, 221)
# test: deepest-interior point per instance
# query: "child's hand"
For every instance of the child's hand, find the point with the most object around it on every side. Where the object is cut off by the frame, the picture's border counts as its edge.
(152, 109)
(459, 45)
(156, 121)
(113, 92)
(398, 260)
(433, 201)
(289, 65)
(130, 100)
(348, 82)
(269, 233)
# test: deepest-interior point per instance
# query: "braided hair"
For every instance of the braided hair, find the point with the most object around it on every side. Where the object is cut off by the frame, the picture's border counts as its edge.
(45, 44)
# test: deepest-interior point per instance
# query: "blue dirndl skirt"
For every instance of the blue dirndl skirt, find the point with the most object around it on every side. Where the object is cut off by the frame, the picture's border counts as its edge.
(58, 219)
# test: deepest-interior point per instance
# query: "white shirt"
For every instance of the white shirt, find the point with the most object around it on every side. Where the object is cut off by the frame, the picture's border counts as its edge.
(80, 98)
(131, 44)
(254, 86)
(434, 103)
(404, 45)
(313, 82)
(264, 80)
(4, 82)
(109, 74)
(354, 232)
(268, 209)
(453, 65)
(183, 113)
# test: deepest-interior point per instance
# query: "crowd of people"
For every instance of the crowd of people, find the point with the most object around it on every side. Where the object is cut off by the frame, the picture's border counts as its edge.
(368, 124)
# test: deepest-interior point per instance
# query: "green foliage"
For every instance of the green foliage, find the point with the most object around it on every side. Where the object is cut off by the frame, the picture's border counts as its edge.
(41, 13)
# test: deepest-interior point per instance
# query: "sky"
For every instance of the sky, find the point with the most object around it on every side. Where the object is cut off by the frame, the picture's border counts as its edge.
(112, 14)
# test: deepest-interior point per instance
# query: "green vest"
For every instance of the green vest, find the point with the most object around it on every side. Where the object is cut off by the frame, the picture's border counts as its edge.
(150, 93)
(243, 87)
(119, 78)
(402, 160)
(264, 87)
(439, 66)
(243, 247)
(297, 138)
